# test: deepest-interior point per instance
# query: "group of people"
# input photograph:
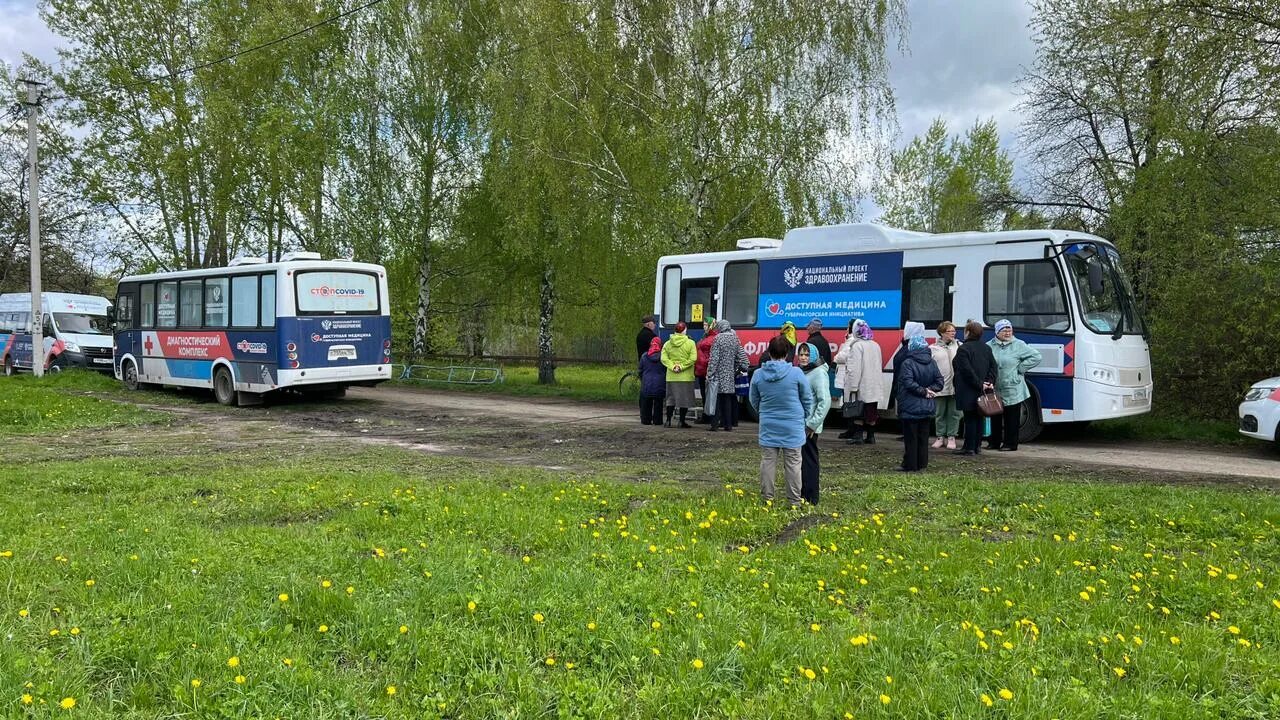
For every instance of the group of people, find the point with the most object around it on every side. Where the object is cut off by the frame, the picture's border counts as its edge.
(669, 371)
(933, 384)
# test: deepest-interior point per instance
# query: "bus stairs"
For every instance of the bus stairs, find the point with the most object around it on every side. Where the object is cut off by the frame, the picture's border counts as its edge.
(451, 374)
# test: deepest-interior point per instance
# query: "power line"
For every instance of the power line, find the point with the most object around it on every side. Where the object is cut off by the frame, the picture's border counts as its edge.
(225, 58)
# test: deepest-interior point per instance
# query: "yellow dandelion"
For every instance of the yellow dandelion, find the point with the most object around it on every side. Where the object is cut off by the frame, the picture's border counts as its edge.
(233, 661)
(195, 682)
(404, 629)
(1233, 629)
(591, 626)
(24, 612)
(1276, 603)
(326, 584)
(550, 661)
(697, 663)
(986, 700)
(858, 640)
(391, 690)
(655, 625)
(67, 703)
(1084, 595)
(1006, 694)
(90, 582)
(288, 662)
(27, 699)
(240, 680)
(568, 666)
(742, 644)
(324, 628)
(471, 606)
(808, 673)
(814, 627)
(283, 597)
(538, 617)
(1119, 671)
(885, 699)
(351, 590)
(1174, 639)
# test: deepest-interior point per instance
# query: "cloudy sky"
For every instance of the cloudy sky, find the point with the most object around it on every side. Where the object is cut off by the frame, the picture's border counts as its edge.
(962, 60)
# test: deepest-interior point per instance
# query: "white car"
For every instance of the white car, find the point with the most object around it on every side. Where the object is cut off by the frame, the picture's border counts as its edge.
(1260, 411)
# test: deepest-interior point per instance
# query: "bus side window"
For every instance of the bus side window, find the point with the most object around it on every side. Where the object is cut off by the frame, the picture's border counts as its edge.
(244, 301)
(124, 311)
(147, 307)
(167, 304)
(6, 323)
(23, 324)
(268, 302)
(927, 295)
(741, 293)
(191, 293)
(670, 296)
(215, 302)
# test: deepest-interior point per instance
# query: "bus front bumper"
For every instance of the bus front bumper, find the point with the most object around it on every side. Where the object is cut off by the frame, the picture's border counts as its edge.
(1096, 401)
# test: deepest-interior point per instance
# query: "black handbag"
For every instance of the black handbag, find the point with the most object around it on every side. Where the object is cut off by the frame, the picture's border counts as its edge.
(852, 407)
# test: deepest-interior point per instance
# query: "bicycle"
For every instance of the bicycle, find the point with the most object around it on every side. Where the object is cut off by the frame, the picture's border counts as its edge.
(629, 384)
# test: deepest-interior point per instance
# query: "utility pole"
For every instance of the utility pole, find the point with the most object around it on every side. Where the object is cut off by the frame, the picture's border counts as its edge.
(33, 205)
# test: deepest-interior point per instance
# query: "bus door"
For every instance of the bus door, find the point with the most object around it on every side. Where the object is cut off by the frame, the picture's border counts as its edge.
(698, 298)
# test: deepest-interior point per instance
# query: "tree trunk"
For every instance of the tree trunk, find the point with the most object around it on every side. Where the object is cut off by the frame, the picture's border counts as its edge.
(420, 326)
(546, 311)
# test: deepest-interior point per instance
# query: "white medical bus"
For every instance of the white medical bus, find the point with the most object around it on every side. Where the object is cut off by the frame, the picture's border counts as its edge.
(1065, 293)
(254, 328)
(76, 331)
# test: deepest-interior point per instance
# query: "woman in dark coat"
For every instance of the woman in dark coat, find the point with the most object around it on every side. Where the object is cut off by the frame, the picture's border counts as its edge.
(975, 373)
(918, 382)
(653, 384)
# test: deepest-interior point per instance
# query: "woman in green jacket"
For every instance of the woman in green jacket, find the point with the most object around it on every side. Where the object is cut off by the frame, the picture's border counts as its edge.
(1013, 359)
(679, 355)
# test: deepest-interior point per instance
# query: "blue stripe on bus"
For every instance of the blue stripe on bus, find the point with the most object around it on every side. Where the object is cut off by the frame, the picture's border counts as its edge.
(1056, 392)
(190, 369)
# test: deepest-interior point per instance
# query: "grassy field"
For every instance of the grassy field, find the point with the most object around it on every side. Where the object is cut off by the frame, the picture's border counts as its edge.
(593, 383)
(67, 401)
(338, 581)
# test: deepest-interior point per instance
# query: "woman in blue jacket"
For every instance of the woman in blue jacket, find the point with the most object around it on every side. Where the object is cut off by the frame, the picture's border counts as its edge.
(653, 384)
(782, 399)
(918, 381)
(1013, 359)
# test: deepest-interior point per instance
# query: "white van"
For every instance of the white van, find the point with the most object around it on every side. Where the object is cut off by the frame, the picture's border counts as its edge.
(77, 332)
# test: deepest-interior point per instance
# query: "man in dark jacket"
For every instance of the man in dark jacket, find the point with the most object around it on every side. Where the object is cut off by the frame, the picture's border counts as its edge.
(918, 380)
(646, 335)
(815, 336)
(975, 373)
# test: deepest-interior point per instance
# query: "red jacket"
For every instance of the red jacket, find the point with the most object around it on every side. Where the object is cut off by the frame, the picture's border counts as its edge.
(704, 354)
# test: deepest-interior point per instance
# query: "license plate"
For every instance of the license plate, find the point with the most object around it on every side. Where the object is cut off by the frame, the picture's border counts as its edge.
(102, 361)
(342, 353)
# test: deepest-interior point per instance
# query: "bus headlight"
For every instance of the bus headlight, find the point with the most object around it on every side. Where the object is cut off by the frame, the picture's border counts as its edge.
(1257, 393)
(1103, 373)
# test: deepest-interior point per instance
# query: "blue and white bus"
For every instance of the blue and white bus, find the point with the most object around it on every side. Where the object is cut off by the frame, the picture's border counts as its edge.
(254, 328)
(1065, 293)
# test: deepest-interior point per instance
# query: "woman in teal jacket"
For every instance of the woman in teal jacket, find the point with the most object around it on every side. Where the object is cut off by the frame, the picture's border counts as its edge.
(1013, 359)
(815, 371)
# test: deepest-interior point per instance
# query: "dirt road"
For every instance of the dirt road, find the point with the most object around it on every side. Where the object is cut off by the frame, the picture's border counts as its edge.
(617, 430)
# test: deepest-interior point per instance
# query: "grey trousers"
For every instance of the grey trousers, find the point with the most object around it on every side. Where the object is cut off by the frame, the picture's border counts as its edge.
(790, 472)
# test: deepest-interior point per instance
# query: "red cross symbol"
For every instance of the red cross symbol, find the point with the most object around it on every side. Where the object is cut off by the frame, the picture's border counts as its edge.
(148, 345)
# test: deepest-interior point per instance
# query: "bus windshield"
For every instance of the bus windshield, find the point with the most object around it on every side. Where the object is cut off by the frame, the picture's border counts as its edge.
(81, 324)
(1106, 298)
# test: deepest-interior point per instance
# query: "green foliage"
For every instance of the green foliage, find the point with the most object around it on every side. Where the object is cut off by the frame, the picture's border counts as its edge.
(1155, 122)
(592, 383)
(477, 589)
(948, 184)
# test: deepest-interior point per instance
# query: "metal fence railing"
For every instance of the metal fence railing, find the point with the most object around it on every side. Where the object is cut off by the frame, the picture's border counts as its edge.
(454, 374)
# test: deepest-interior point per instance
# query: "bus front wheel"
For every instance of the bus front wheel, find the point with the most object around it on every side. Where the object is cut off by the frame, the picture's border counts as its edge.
(1031, 424)
(224, 388)
(9, 369)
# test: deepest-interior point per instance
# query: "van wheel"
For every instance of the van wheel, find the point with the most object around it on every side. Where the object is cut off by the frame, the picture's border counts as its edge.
(55, 366)
(1031, 424)
(224, 388)
(9, 369)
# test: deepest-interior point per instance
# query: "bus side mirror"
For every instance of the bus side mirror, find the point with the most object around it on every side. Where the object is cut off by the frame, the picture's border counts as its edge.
(1095, 280)
(111, 318)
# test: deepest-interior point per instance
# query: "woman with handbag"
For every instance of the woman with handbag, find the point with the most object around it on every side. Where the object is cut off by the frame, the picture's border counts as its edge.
(861, 369)
(975, 373)
(1013, 359)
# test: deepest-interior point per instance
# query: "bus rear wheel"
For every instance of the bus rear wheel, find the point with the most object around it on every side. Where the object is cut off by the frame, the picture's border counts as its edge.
(9, 369)
(224, 388)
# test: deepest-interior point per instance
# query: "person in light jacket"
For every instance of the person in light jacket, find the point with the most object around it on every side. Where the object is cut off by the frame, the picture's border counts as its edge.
(727, 359)
(809, 358)
(975, 374)
(947, 418)
(653, 384)
(679, 355)
(918, 382)
(862, 378)
(1013, 359)
(782, 400)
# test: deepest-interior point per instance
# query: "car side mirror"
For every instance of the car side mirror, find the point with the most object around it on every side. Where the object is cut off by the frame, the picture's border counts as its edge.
(1096, 286)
